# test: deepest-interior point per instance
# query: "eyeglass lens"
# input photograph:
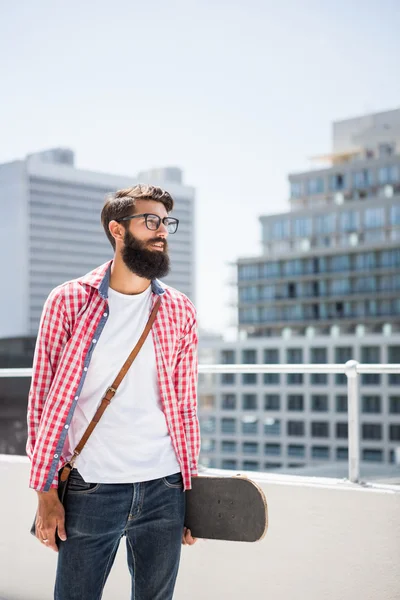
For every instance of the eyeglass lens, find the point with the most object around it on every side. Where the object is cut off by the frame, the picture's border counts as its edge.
(153, 222)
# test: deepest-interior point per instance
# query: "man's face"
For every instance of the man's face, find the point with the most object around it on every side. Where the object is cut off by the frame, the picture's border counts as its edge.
(145, 252)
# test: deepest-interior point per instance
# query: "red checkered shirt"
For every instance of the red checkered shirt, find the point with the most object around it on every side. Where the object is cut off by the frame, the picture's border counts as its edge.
(73, 318)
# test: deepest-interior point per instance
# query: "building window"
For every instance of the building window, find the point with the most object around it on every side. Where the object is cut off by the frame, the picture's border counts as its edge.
(296, 450)
(207, 445)
(303, 227)
(394, 358)
(228, 446)
(388, 174)
(395, 214)
(320, 452)
(295, 402)
(270, 269)
(294, 356)
(371, 355)
(249, 425)
(340, 262)
(228, 378)
(272, 427)
(229, 463)
(295, 428)
(342, 453)
(271, 357)
(374, 217)
(341, 403)
(372, 455)
(269, 466)
(250, 447)
(248, 294)
(249, 378)
(207, 402)
(249, 357)
(249, 401)
(394, 433)
(228, 401)
(281, 229)
(272, 449)
(272, 402)
(325, 224)
(319, 403)
(366, 260)
(349, 221)
(247, 272)
(318, 356)
(251, 465)
(341, 430)
(315, 185)
(394, 405)
(362, 179)
(371, 431)
(228, 358)
(228, 425)
(337, 182)
(207, 424)
(320, 429)
(342, 355)
(371, 404)
(296, 189)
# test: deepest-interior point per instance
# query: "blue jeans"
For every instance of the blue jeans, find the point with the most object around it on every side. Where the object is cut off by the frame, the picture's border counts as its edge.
(150, 514)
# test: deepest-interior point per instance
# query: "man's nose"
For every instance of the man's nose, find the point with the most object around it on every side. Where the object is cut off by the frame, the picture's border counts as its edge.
(162, 231)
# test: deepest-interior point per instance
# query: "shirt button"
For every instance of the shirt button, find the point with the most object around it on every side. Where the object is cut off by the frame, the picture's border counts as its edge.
(56, 456)
(66, 426)
(76, 397)
(85, 369)
(105, 315)
(94, 341)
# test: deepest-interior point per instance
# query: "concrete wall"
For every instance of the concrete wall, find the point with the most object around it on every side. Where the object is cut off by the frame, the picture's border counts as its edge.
(327, 540)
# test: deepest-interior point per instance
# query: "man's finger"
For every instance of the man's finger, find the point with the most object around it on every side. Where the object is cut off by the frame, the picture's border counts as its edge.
(62, 534)
(51, 540)
(190, 540)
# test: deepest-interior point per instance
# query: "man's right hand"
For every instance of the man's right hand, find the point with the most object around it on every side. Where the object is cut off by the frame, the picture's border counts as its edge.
(50, 518)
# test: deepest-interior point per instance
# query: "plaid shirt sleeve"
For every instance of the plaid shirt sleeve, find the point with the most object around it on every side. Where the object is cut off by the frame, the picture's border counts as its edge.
(52, 336)
(185, 380)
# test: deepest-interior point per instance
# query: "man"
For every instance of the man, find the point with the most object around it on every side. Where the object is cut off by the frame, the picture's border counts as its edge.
(130, 477)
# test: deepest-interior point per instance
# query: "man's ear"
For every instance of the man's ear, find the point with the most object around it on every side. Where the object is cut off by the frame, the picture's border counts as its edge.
(117, 230)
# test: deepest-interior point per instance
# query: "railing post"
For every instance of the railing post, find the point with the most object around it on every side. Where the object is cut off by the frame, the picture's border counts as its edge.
(353, 411)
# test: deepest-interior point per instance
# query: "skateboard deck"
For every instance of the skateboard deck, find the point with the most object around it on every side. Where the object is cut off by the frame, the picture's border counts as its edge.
(226, 508)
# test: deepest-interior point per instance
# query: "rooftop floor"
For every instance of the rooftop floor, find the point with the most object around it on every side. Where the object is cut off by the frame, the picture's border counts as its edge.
(328, 539)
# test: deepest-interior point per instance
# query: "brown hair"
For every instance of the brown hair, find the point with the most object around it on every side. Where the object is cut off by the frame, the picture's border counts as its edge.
(120, 204)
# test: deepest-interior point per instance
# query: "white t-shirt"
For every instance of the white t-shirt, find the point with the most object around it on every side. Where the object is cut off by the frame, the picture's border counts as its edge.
(131, 441)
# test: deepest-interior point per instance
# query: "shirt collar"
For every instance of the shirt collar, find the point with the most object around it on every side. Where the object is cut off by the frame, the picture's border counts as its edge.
(99, 279)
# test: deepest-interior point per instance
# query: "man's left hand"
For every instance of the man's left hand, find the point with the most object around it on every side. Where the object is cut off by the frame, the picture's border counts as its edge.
(187, 539)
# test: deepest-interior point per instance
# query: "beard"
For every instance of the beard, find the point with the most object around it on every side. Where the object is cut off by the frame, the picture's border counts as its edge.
(149, 264)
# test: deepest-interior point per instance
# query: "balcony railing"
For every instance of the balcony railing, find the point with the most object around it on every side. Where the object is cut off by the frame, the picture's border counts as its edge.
(352, 369)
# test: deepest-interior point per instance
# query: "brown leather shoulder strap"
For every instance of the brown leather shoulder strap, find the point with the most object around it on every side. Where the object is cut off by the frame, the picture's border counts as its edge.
(110, 392)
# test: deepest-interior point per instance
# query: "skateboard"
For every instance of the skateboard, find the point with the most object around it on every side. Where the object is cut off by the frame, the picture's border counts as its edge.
(226, 508)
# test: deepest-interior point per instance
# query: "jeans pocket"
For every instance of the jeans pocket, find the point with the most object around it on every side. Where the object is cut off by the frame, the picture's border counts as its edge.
(173, 481)
(77, 485)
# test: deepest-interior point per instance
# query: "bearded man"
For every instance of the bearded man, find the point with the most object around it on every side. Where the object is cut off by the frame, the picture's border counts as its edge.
(130, 478)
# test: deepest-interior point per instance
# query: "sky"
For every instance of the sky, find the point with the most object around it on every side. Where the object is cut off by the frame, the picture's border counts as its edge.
(238, 94)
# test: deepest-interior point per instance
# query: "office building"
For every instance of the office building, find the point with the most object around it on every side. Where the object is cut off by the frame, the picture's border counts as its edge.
(51, 230)
(326, 289)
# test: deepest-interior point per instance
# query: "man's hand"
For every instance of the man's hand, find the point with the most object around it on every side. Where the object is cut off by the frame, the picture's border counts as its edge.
(187, 539)
(49, 519)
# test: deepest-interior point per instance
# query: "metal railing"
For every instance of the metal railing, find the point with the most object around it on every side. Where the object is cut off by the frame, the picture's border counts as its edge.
(352, 369)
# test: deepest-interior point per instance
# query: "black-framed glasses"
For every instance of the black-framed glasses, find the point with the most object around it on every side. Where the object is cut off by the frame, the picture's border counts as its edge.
(153, 222)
